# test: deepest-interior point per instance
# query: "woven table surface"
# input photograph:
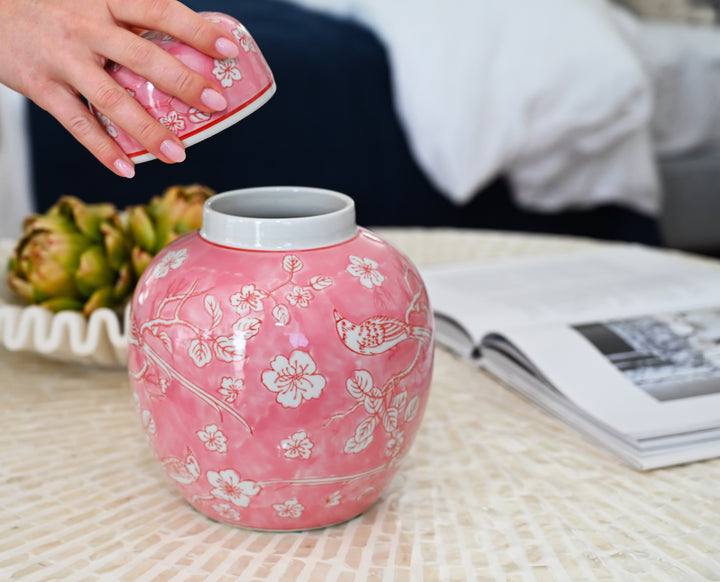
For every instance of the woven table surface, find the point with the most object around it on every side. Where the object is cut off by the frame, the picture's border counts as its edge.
(492, 489)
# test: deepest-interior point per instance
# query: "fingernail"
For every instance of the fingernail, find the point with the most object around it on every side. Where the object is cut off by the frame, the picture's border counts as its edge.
(125, 168)
(172, 150)
(213, 100)
(227, 48)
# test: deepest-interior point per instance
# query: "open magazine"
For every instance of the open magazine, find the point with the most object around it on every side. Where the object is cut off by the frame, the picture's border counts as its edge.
(621, 342)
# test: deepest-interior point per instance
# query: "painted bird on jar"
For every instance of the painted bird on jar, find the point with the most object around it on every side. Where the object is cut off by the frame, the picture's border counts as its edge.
(377, 334)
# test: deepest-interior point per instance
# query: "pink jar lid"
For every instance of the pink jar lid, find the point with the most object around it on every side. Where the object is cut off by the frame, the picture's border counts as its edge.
(246, 82)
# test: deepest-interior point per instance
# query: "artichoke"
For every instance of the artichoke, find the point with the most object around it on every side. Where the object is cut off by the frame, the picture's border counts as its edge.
(74, 257)
(81, 256)
(151, 227)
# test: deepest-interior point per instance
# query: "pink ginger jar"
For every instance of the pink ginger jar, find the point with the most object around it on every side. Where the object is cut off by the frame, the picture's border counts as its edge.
(281, 359)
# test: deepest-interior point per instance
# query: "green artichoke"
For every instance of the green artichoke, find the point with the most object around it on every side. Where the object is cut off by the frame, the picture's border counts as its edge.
(151, 227)
(74, 257)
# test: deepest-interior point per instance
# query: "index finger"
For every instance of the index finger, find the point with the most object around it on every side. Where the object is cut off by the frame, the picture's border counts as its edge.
(176, 19)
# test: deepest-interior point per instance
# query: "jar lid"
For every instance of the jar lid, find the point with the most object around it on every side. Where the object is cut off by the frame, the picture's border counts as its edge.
(278, 218)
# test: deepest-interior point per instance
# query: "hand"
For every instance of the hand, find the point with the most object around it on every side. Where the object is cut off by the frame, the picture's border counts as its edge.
(54, 51)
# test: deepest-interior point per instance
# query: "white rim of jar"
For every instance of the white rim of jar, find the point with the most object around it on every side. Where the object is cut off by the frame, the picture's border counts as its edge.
(278, 218)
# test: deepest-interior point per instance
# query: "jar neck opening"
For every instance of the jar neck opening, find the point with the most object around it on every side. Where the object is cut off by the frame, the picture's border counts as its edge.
(278, 218)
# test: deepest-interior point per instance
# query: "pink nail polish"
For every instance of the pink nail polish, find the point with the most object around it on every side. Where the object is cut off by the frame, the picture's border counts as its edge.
(172, 150)
(213, 100)
(125, 168)
(227, 48)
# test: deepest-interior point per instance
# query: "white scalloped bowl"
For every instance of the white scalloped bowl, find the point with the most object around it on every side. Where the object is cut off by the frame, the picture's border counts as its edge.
(68, 336)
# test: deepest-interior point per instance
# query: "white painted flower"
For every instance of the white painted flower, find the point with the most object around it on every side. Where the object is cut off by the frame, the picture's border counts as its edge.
(226, 511)
(366, 270)
(174, 122)
(108, 125)
(299, 296)
(226, 72)
(249, 298)
(248, 45)
(213, 438)
(245, 41)
(291, 508)
(230, 388)
(298, 446)
(293, 379)
(228, 486)
(172, 260)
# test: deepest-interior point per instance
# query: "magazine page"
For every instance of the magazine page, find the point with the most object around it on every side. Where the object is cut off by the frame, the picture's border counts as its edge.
(583, 285)
(645, 455)
(644, 376)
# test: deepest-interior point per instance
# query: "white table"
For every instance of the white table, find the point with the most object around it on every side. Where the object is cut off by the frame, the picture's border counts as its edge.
(493, 489)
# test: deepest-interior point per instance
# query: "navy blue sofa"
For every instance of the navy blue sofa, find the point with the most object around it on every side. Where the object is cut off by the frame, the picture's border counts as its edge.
(331, 124)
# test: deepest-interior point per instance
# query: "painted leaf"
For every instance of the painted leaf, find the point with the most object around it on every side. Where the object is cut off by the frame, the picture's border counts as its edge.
(165, 338)
(200, 353)
(390, 419)
(247, 327)
(192, 465)
(133, 334)
(320, 282)
(360, 384)
(183, 471)
(281, 314)
(197, 116)
(228, 349)
(400, 401)
(412, 408)
(373, 400)
(148, 422)
(363, 436)
(292, 264)
(213, 308)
